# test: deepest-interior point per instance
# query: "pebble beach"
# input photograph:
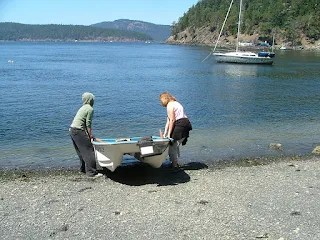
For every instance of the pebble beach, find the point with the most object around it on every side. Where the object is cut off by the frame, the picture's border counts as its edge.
(274, 200)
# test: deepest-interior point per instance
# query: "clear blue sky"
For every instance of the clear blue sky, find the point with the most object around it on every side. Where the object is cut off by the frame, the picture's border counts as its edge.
(86, 12)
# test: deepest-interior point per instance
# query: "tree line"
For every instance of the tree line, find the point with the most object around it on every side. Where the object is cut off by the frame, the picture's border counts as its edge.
(289, 19)
(53, 32)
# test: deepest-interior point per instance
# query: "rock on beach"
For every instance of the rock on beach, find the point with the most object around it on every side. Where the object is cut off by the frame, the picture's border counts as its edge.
(278, 200)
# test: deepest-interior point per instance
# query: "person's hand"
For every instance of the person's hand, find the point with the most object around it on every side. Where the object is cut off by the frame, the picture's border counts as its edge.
(98, 140)
(160, 133)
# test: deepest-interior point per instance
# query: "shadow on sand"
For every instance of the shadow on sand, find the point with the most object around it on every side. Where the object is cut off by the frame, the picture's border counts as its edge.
(142, 174)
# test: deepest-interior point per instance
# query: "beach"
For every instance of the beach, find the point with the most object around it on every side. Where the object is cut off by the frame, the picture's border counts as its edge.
(256, 200)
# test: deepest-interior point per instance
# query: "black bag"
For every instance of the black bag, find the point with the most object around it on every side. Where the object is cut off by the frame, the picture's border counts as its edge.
(149, 148)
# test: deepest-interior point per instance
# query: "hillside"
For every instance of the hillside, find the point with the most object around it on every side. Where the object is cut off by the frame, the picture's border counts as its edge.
(291, 22)
(54, 32)
(159, 33)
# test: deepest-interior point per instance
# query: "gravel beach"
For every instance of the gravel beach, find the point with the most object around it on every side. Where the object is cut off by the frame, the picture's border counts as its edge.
(278, 200)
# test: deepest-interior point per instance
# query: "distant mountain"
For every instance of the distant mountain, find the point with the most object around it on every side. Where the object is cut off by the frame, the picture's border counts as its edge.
(159, 33)
(55, 32)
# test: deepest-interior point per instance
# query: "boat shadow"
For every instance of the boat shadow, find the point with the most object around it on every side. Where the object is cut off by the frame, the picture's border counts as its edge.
(142, 174)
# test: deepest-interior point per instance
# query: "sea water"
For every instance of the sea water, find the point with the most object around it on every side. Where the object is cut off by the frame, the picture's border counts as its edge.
(236, 110)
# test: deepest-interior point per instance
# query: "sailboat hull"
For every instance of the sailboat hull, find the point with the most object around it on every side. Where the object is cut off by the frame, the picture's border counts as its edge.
(242, 58)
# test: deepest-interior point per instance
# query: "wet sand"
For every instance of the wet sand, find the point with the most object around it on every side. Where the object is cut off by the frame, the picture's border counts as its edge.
(248, 200)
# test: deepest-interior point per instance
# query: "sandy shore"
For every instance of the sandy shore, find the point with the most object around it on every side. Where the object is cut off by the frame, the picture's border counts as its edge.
(279, 200)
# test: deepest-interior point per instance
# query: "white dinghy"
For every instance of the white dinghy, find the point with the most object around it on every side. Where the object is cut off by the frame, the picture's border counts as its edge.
(151, 150)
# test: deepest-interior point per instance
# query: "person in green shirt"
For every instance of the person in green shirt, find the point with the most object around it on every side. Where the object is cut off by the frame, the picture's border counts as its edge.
(81, 135)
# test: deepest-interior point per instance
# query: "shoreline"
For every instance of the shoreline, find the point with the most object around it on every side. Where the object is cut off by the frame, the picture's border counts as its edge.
(311, 48)
(279, 200)
(7, 174)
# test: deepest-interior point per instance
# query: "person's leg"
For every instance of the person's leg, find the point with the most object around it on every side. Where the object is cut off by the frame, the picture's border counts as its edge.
(86, 150)
(82, 163)
(174, 152)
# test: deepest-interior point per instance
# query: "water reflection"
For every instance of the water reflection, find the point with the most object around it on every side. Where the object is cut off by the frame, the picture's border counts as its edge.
(237, 70)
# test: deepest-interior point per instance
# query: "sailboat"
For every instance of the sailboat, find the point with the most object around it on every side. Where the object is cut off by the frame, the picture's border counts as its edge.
(241, 56)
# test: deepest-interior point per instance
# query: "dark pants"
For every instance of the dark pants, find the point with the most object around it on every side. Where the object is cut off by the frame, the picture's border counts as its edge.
(85, 151)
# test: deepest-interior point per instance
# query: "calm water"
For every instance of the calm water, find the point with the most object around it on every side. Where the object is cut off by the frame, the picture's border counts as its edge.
(236, 110)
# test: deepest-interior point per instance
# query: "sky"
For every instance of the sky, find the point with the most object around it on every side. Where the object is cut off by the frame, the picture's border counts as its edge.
(86, 12)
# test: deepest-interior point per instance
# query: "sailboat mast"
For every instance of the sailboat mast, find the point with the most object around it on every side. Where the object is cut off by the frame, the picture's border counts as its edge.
(272, 42)
(239, 22)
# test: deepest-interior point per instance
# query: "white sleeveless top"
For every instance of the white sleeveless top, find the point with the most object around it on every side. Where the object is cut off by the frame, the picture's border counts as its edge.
(178, 110)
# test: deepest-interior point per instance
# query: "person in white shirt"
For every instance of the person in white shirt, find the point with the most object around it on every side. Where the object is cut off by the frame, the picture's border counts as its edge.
(177, 126)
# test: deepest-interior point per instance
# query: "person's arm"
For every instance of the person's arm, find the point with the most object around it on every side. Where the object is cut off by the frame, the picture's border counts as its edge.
(90, 134)
(88, 122)
(166, 128)
(171, 120)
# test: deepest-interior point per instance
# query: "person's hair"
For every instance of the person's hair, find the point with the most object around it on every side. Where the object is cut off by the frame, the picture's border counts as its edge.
(165, 98)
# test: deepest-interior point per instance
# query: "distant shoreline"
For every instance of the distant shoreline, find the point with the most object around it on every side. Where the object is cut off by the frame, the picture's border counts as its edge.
(226, 46)
(82, 41)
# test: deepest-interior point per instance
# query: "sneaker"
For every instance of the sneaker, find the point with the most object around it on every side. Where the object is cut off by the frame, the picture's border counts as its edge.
(97, 175)
(176, 169)
(170, 165)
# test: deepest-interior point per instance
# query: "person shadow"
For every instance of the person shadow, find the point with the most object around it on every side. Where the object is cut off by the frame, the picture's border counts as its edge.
(137, 174)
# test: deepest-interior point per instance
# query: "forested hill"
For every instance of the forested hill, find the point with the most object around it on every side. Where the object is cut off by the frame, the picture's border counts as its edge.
(54, 32)
(159, 33)
(292, 22)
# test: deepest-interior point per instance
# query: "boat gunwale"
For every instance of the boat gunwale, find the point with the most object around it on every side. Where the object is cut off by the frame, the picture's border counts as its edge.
(113, 141)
